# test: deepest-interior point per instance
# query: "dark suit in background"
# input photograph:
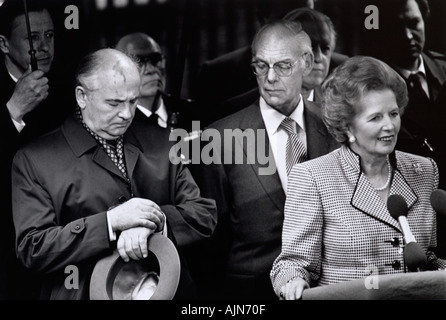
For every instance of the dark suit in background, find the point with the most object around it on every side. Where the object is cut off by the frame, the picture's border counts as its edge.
(40, 115)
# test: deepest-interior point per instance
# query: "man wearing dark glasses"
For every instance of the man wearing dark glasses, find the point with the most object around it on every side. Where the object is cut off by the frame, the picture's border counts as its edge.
(156, 105)
(147, 52)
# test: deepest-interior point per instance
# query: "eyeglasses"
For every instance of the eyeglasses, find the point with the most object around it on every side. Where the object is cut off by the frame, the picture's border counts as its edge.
(282, 69)
(154, 58)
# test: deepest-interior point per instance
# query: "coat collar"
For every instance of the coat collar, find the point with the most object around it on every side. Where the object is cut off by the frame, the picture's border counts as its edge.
(430, 66)
(364, 197)
(82, 142)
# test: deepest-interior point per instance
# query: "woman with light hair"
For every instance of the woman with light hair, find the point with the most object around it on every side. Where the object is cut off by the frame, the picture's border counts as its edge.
(337, 223)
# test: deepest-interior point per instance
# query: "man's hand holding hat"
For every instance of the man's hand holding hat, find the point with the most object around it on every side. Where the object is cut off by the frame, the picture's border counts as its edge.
(132, 243)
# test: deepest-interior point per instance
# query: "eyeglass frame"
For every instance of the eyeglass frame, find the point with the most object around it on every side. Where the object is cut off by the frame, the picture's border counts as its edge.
(274, 66)
(143, 60)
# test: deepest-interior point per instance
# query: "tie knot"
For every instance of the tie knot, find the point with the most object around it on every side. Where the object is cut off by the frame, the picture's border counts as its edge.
(289, 125)
(153, 119)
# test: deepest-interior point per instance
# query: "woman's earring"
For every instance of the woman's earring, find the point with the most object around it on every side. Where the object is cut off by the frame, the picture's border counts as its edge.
(351, 139)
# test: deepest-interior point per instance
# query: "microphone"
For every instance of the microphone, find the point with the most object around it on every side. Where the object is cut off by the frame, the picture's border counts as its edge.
(414, 255)
(438, 201)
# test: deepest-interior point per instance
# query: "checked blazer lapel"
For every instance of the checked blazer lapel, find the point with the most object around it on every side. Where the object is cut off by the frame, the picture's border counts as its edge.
(365, 198)
(253, 120)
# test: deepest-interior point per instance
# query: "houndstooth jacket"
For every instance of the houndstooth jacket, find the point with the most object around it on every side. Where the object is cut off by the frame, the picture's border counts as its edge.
(337, 228)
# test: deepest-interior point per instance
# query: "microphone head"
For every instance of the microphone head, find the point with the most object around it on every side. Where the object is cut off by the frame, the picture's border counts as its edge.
(397, 206)
(414, 256)
(438, 201)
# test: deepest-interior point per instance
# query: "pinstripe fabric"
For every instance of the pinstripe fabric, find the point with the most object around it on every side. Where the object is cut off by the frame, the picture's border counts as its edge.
(337, 228)
(295, 149)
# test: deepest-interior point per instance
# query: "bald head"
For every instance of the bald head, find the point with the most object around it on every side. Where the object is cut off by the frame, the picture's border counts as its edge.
(282, 30)
(137, 43)
(107, 91)
(100, 64)
(147, 53)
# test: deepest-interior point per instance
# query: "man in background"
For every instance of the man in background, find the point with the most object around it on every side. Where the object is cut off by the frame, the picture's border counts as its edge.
(400, 41)
(250, 205)
(320, 29)
(31, 103)
(155, 105)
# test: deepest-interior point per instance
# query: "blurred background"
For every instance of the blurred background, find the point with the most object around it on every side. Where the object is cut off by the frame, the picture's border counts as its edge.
(193, 31)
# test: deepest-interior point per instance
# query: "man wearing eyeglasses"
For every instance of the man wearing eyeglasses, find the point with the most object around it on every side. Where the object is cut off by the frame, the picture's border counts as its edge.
(250, 206)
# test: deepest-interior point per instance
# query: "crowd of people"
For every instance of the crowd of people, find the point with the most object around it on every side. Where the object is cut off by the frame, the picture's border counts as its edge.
(88, 168)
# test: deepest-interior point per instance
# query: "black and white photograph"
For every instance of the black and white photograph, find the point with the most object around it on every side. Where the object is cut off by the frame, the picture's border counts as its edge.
(222, 156)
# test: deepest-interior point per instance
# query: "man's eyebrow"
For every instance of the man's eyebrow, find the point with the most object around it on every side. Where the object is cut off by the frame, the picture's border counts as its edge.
(114, 100)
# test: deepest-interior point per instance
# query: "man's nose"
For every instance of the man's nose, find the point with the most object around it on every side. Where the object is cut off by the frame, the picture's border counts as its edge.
(43, 44)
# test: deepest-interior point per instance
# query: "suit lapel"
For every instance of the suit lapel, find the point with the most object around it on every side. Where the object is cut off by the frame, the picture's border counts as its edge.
(101, 158)
(435, 76)
(317, 140)
(253, 120)
(132, 149)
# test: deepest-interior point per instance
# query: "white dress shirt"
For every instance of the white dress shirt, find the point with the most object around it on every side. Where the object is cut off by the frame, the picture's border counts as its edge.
(278, 136)
(161, 112)
(406, 73)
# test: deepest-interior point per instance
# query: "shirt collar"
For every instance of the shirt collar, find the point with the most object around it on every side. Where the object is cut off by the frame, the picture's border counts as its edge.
(406, 73)
(274, 118)
(311, 95)
(12, 77)
(161, 112)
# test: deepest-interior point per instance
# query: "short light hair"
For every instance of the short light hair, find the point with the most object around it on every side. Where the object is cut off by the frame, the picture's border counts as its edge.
(348, 83)
(285, 28)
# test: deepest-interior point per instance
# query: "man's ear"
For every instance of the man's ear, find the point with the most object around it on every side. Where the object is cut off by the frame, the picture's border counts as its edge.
(308, 62)
(81, 96)
(4, 45)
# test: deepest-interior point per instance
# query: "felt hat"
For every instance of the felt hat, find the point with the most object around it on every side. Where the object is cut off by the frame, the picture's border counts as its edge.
(153, 278)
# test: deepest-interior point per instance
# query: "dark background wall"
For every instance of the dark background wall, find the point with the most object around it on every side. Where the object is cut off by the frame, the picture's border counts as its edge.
(192, 31)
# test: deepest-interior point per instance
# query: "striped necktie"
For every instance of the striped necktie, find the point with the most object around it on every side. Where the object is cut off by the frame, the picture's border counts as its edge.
(295, 149)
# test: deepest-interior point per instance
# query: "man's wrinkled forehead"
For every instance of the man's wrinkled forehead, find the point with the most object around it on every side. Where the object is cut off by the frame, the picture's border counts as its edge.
(43, 15)
(112, 75)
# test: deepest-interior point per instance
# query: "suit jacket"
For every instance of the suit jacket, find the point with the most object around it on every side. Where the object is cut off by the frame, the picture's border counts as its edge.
(180, 112)
(250, 208)
(337, 228)
(63, 184)
(15, 281)
(421, 119)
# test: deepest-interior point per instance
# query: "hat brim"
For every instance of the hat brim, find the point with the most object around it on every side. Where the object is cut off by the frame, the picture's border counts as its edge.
(169, 265)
